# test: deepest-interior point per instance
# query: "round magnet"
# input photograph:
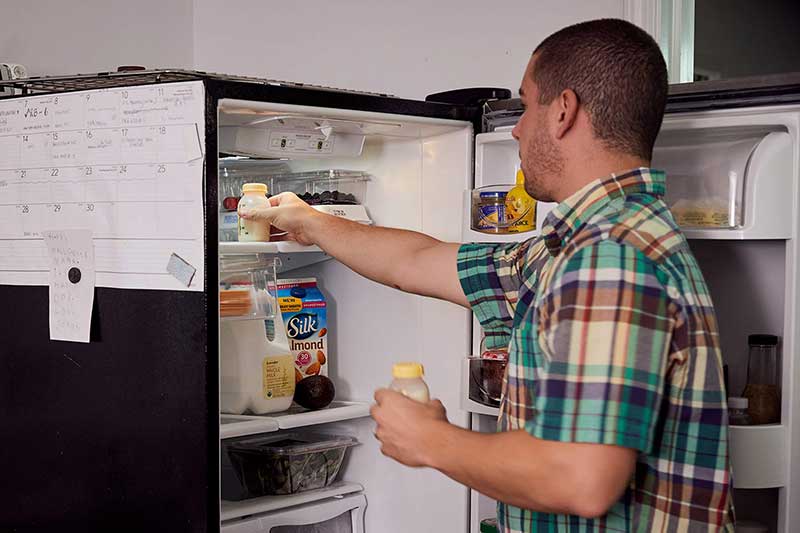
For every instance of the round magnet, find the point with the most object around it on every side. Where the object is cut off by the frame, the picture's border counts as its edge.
(74, 274)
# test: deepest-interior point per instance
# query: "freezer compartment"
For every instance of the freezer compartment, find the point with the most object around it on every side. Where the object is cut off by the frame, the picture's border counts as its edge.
(283, 464)
(727, 182)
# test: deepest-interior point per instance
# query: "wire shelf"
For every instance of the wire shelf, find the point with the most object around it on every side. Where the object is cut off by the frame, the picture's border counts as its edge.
(105, 80)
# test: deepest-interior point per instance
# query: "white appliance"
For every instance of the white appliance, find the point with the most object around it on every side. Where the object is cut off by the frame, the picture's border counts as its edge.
(424, 159)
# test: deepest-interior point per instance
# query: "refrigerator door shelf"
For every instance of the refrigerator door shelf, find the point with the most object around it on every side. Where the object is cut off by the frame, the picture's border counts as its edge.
(728, 182)
(468, 404)
(758, 456)
(230, 511)
(295, 417)
(470, 235)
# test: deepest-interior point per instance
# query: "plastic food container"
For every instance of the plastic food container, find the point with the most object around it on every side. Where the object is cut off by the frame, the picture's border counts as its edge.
(324, 187)
(486, 379)
(247, 289)
(236, 171)
(489, 212)
(285, 464)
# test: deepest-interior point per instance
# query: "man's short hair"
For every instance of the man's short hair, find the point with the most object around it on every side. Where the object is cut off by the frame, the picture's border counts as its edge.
(619, 75)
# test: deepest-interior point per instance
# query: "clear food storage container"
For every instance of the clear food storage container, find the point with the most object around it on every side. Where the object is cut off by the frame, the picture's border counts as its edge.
(236, 171)
(247, 288)
(324, 187)
(284, 464)
(486, 379)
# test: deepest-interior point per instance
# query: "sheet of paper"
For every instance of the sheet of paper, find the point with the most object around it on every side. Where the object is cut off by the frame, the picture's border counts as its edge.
(125, 163)
(70, 255)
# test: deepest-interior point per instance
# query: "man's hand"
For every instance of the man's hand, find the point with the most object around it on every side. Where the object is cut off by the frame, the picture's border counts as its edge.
(407, 429)
(288, 213)
(406, 260)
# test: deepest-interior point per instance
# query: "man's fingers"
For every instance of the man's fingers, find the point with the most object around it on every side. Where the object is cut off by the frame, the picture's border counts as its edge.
(278, 199)
(258, 213)
(381, 395)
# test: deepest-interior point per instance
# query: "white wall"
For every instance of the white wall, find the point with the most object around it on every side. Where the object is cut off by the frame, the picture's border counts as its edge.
(410, 48)
(82, 36)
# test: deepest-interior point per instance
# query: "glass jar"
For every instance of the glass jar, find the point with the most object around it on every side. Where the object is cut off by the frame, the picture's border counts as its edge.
(489, 211)
(737, 411)
(762, 390)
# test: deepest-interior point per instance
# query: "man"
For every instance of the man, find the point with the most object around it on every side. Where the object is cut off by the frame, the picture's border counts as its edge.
(614, 414)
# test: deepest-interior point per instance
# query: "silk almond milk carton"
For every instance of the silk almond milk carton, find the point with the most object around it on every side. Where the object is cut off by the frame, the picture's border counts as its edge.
(304, 313)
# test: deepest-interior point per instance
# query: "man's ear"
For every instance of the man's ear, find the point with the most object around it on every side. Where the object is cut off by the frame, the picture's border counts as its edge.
(566, 112)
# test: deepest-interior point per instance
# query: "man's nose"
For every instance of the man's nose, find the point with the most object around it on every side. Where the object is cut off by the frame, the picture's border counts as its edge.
(514, 132)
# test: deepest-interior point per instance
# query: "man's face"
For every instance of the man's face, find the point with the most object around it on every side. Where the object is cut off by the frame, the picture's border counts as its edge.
(541, 159)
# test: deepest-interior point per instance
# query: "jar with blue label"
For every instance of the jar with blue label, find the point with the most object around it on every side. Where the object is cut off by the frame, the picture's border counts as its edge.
(489, 211)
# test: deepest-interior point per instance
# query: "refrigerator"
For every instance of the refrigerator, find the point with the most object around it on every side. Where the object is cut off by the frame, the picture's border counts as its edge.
(126, 430)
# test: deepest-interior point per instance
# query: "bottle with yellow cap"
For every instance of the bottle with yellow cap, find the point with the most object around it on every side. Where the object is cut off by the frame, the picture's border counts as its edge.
(254, 195)
(520, 207)
(408, 381)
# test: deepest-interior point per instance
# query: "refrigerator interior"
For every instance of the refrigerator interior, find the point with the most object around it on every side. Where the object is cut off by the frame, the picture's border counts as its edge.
(418, 167)
(747, 280)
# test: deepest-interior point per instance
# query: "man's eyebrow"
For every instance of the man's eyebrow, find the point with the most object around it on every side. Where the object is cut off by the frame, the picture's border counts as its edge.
(521, 92)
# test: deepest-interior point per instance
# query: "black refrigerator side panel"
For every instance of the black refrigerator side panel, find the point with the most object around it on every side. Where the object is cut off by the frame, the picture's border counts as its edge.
(120, 434)
(110, 435)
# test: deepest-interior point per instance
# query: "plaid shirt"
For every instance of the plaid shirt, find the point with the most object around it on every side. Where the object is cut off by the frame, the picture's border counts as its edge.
(612, 340)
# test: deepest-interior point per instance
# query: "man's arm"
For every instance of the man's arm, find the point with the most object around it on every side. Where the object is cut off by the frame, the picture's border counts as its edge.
(546, 476)
(512, 467)
(407, 260)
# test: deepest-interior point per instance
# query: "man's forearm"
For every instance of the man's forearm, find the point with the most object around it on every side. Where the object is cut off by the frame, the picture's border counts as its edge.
(546, 476)
(407, 260)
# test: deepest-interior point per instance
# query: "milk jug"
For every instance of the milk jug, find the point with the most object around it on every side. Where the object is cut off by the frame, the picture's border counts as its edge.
(257, 373)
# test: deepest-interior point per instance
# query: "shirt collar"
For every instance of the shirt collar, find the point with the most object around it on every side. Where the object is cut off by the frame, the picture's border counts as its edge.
(567, 216)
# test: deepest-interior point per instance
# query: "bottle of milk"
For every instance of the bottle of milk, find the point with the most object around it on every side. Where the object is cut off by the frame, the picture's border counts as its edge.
(257, 371)
(408, 381)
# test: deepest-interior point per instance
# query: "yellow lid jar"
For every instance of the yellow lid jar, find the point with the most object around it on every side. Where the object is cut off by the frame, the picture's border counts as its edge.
(408, 381)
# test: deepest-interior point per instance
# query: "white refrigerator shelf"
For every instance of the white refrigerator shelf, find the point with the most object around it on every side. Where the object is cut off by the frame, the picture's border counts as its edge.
(231, 510)
(292, 255)
(295, 417)
(273, 247)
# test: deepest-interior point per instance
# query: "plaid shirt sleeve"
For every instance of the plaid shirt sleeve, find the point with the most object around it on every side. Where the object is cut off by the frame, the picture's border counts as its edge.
(605, 332)
(490, 277)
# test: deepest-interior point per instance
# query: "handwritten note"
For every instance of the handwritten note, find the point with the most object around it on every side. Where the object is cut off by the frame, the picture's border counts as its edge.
(72, 278)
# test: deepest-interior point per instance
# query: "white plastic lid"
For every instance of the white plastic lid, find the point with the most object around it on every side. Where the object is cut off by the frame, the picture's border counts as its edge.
(736, 402)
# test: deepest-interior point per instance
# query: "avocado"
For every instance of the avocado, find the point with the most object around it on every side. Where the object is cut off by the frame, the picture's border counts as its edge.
(314, 392)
